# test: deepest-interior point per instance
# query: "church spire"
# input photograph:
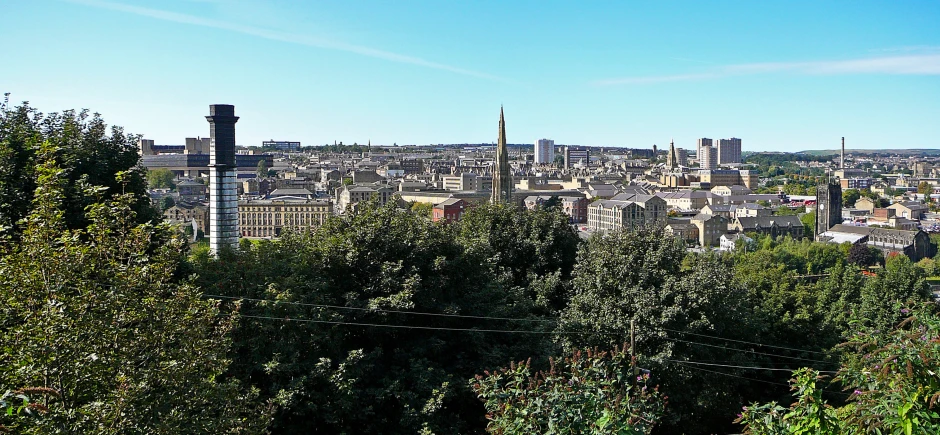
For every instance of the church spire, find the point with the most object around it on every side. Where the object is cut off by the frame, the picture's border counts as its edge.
(502, 180)
(673, 158)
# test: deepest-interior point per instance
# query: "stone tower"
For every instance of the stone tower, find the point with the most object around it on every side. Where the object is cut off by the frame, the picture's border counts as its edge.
(223, 194)
(502, 180)
(672, 160)
(828, 206)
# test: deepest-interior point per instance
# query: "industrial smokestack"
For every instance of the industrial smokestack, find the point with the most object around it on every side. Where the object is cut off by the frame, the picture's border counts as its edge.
(223, 195)
(842, 161)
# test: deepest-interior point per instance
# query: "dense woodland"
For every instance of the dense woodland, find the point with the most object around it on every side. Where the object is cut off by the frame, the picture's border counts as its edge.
(381, 321)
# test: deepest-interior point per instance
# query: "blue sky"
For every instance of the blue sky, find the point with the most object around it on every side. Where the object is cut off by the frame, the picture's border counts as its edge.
(782, 76)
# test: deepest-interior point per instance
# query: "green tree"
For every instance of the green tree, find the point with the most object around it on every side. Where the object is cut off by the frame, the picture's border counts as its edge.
(423, 209)
(97, 316)
(809, 224)
(533, 250)
(892, 382)
(850, 196)
(862, 255)
(589, 392)
(930, 267)
(166, 202)
(161, 179)
(20, 137)
(262, 171)
(376, 263)
(901, 282)
(810, 414)
(645, 279)
(924, 188)
(88, 151)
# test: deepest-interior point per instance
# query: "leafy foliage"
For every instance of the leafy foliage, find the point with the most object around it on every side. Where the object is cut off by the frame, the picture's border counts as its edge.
(161, 179)
(850, 196)
(893, 382)
(534, 251)
(87, 155)
(589, 392)
(423, 209)
(98, 315)
(357, 379)
(646, 278)
(810, 414)
(863, 255)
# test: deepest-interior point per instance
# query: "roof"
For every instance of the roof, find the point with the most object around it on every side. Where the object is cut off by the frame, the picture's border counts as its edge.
(735, 236)
(913, 205)
(873, 230)
(841, 237)
(611, 203)
(449, 201)
(635, 197)
(768, 221)
(720, 208)
(706, 217)
(291, 191)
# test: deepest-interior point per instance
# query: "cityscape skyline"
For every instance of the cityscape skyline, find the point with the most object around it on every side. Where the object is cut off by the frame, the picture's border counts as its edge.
(783, 78)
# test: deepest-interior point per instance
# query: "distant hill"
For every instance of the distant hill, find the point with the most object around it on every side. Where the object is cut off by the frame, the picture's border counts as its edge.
(903, 152)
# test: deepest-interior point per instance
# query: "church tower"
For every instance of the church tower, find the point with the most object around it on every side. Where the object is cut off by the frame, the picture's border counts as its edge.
(672, 160)
(828, 206)
(502, 180)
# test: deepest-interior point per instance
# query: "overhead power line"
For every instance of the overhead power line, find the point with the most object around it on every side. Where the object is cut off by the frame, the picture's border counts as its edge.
(462, 316)
(745, 342)
(432, 328)
(736, 376)
(381, 310)
(741, 367)
(750, 351)
(520, 331)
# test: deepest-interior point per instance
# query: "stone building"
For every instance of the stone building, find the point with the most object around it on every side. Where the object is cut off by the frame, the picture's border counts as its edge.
(270, 217)
(351, 194)
(637, 211)
(774, 226)
(710, 228)
(914, 244)
(183, 212)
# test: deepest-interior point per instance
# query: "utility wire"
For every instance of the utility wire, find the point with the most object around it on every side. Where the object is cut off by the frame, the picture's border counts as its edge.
(418, 313)
(689, 364)
(736, 376)
(434, 328)
(740, 367)
(379, 325)
(379, 310)
(750, 351)
(745, 342)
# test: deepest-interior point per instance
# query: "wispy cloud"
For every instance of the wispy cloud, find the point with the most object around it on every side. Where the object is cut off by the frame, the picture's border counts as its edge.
(307, 40)
(922, 64)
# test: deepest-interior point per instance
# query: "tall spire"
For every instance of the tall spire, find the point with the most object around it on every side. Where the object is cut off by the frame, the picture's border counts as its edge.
(502, 180)
(673, 159)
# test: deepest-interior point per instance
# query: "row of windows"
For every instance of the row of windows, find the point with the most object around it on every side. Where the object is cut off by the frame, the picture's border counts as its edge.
(277, 218)
(317, 208)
